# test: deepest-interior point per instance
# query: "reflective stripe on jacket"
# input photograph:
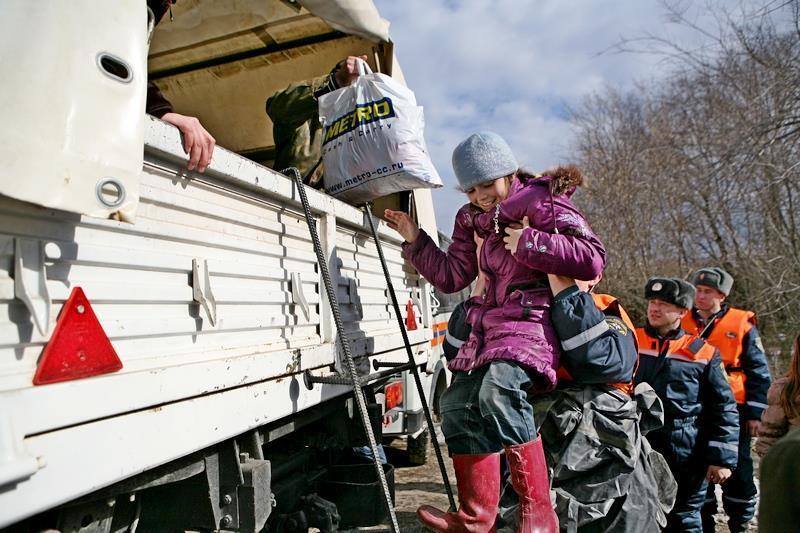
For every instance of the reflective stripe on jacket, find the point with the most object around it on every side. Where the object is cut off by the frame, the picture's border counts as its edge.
(701, 420)
(597, 340)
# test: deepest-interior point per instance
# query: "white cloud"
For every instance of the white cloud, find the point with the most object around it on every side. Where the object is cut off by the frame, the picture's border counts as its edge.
(511, 66)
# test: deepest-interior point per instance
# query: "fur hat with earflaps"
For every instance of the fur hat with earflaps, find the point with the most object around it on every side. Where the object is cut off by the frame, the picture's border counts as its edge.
(713, 277)
(671, 290)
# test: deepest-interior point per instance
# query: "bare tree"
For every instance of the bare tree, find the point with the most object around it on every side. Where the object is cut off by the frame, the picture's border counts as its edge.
(703, 167)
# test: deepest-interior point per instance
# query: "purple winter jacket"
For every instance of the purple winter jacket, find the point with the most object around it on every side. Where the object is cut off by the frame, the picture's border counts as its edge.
(512, 321)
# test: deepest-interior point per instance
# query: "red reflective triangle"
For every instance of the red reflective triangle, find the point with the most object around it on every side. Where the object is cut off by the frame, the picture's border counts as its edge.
(79, 347)
(411, 320)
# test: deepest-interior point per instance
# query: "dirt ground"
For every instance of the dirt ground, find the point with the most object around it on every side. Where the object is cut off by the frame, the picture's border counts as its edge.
(418, 485)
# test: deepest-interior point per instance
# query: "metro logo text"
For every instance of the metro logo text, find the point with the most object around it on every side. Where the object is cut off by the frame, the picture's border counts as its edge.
(362, 114)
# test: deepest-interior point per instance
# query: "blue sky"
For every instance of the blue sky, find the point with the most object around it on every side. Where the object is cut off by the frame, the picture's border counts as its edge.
(513, 67)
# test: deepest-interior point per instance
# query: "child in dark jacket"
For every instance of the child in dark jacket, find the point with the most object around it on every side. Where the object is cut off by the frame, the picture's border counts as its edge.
(512, 347)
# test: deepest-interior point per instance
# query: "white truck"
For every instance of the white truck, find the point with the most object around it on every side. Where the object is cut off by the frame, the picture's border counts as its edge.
(186, 408)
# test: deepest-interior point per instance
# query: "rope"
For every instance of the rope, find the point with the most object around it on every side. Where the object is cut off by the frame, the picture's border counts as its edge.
(414, 369)
(334, 304)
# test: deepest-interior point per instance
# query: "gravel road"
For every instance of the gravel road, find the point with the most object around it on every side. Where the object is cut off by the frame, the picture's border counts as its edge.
(418, 485)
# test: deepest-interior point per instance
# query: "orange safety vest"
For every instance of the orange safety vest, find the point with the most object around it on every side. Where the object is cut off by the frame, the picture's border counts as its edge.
(689, 347)
(608, 305)
(727, 336)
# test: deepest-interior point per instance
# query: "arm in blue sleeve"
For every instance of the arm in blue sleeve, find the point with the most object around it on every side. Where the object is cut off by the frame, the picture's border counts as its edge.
(721, 418)
(756, 371)
(596, 348)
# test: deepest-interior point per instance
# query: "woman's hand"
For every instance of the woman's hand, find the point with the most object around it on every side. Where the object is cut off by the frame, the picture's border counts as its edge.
(513, 234)
(402, 224)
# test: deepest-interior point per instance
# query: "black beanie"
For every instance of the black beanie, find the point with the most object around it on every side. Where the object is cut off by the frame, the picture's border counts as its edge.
(673, 290)
(457, 332)
(714, 277)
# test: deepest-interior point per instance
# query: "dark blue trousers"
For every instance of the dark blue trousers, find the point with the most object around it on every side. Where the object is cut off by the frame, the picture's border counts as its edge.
(692, 484)
(738, 492)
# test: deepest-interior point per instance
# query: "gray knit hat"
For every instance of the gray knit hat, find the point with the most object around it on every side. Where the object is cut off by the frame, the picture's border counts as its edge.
(713, 277)
(672, 290)
(482, 157)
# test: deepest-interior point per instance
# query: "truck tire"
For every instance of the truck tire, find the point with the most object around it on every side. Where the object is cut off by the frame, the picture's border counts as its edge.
(418, 449)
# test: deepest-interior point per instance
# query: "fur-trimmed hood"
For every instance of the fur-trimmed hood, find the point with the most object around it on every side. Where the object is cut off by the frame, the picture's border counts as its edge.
(564, 179)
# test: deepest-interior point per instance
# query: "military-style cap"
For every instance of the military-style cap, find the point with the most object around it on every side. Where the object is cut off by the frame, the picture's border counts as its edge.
(714, 277)
(672, 290)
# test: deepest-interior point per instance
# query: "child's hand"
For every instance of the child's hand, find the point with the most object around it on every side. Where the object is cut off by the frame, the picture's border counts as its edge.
(402, 224)
(513, 234)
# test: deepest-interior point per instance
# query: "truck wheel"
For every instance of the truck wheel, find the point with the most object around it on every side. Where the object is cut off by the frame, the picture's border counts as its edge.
(418, 449)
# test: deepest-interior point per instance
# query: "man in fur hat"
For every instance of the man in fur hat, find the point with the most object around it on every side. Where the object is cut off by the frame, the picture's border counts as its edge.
(700, 435)
(733, 332)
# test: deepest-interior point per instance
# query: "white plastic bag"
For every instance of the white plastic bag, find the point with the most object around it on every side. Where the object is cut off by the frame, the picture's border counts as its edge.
(373, 143)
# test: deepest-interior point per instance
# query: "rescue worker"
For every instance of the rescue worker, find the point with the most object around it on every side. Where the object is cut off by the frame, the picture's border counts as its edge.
(733, 332)
(606, 477)
(296, 128)
(700, 435)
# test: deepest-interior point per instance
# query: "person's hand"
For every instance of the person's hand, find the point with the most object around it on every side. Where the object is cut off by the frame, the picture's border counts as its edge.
(480, 282)
(197, 142)
(513, 234)
(753, 427)
(559, 283)
(479, 289)
(717, 474)
(347, 70)
(402, 224)
(479, 244)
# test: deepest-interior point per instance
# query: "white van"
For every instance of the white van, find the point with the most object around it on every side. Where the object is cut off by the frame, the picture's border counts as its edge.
(156, 323)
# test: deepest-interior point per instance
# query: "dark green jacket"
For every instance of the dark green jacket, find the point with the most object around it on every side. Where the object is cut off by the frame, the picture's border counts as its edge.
(780, 486)
(296, 128)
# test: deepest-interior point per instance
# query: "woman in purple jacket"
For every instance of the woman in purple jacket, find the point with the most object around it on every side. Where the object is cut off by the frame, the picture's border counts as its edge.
(512, 349)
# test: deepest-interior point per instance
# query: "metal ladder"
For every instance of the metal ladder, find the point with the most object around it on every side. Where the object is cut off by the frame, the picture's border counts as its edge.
(353, 379)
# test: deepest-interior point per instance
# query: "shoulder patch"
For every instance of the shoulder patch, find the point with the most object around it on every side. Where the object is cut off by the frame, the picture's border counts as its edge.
(617, 324)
